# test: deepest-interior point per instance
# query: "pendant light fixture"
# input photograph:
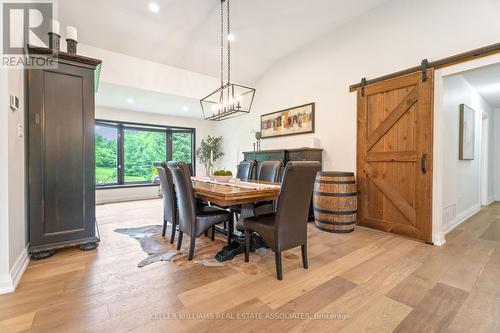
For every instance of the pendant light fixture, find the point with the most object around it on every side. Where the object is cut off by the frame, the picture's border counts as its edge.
(230, 99)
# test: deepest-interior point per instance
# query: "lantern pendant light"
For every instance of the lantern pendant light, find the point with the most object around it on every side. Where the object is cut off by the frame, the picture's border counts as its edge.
(230, 99)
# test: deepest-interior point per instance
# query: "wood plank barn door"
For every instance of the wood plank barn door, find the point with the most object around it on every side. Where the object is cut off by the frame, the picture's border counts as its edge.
(394, 155)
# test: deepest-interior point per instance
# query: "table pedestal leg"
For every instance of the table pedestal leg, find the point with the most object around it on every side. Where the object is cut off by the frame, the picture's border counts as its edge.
(237, 245)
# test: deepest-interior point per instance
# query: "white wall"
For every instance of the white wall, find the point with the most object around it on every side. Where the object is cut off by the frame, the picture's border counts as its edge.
(13, 226)
(18, 237)
(203, 128)
(496, 154)
(394, 36)
(5, 279)
(462, 178)
(15, 185)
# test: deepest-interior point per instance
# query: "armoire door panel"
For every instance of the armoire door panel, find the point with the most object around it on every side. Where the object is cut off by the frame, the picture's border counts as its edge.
(64, 162)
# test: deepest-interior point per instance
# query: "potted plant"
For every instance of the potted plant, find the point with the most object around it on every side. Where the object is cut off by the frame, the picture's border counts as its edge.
(209, 152)
(223, 176)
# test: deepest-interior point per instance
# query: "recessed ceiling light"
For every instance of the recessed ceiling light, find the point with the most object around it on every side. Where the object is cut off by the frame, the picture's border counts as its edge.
(154, 7)
(230, 37)
(130, 101)
(185, 108)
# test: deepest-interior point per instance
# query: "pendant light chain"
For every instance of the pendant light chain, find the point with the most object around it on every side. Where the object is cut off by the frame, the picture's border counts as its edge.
(228, 45)
(231, 99)
(222, 43)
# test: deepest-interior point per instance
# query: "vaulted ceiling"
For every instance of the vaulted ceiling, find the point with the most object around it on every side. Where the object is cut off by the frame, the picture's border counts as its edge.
(185, 33)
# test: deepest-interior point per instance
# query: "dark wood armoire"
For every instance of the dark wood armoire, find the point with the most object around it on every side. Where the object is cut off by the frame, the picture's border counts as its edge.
(61, 166)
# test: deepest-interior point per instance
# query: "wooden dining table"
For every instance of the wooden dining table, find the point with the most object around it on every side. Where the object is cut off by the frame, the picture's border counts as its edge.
(235, 193)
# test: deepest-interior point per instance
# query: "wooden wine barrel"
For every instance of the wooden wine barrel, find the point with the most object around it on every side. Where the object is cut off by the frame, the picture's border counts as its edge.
(335, 201)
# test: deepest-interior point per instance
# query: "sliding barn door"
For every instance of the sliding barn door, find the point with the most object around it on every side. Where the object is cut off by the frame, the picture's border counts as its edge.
(394, 157)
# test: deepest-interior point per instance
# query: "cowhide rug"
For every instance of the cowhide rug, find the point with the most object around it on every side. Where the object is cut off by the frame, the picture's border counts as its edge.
(158, 248)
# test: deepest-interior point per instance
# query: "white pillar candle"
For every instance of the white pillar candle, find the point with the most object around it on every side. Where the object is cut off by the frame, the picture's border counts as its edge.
(55, 27)
(71, 33)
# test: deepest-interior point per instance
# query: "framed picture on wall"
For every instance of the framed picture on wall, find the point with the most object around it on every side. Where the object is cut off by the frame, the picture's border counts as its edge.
(292, 121)
(467, 138)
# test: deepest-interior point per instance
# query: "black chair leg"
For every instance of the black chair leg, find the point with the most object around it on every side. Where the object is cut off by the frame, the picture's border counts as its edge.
(279, 271)
(304, 256)
(206, 233)
(247, 245)
(172, 236)
(179, 240)
(164, 228)
(212, 237)
(192, 243)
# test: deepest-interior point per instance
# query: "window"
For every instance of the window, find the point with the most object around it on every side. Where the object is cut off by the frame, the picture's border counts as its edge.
(126, 153)
(141, 149)
(106, 155)
(182, 146)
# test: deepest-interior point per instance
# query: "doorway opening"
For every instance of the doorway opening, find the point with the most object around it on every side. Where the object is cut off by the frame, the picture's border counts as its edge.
(463, 93)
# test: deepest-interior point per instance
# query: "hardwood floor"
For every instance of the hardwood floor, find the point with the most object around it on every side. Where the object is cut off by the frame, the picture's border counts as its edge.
(364, 281)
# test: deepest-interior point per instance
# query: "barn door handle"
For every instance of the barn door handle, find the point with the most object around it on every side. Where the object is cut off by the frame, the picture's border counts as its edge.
(423, 163)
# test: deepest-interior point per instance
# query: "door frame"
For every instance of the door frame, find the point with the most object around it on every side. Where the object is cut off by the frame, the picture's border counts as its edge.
(484, 159)
(439, 230)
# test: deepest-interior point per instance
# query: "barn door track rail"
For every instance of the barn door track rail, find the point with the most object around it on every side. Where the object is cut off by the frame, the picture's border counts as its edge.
(425, 64)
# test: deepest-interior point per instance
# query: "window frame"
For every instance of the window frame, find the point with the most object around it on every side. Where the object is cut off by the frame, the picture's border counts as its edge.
(121, 127)
(117, 155)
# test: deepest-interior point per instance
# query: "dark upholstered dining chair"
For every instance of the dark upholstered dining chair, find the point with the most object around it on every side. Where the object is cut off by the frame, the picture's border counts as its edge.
(245, 170)
(287, 228)
(269, 171)
(193, 220)
(169, 201)
(188, 167)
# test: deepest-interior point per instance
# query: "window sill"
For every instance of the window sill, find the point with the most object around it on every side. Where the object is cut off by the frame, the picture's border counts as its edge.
(114, 187)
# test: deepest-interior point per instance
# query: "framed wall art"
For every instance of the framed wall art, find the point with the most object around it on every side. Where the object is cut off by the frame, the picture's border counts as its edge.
(467, 139)
(292, 121)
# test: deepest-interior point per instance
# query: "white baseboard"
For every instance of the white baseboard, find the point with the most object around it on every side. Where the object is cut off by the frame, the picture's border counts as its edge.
(19, 267)
(459, 219)
(439, 240)
(489, 200)
(105, 196)
(6, 285)
(9, 282)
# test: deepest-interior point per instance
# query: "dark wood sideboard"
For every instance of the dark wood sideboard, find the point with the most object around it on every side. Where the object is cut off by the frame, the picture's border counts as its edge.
(285, 156)
(61, 153)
